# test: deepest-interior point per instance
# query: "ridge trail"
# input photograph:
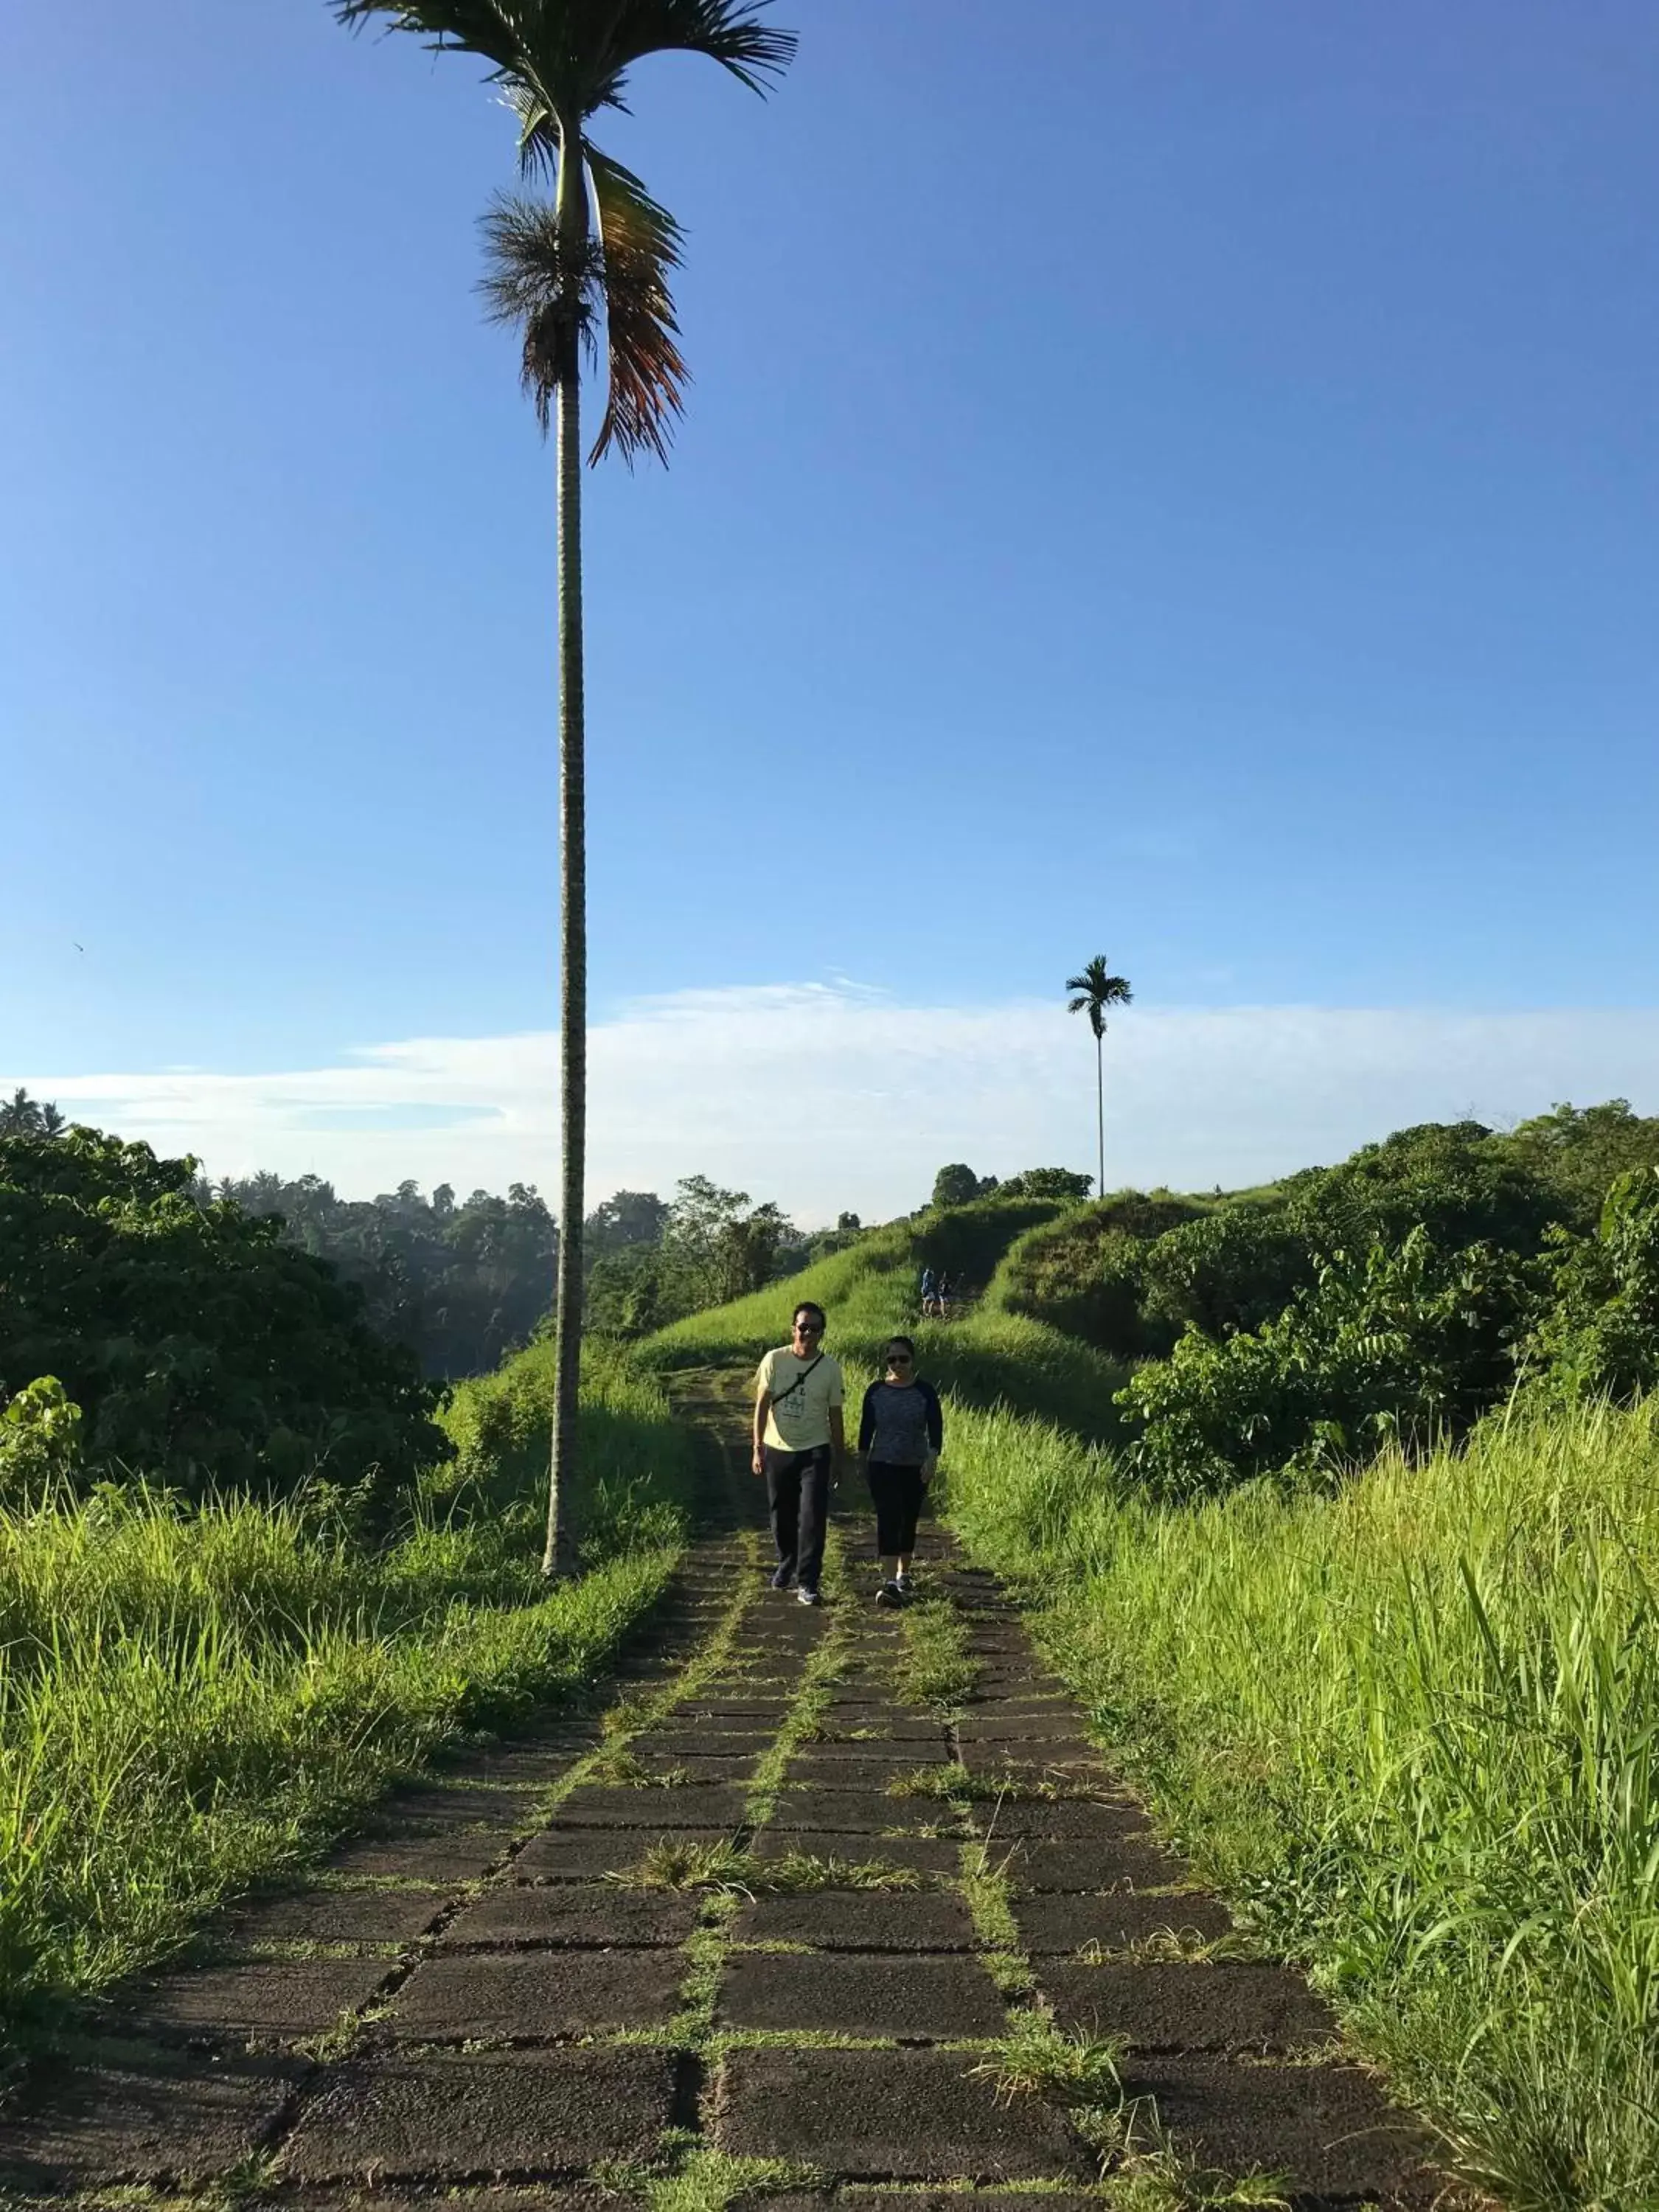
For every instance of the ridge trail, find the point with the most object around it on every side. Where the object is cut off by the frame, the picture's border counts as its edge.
(820, 1901)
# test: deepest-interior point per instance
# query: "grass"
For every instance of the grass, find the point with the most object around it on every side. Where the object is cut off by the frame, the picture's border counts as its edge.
(682, 1862)
(1067, 2067)
(188, 1701)
(1414, 1731)
(936, 1665)
(792, 1874)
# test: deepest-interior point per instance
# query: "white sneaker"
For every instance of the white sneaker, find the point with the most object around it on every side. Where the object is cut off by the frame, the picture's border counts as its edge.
(804, 1596)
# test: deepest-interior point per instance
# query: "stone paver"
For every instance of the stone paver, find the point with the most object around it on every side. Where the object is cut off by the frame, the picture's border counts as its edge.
(1326, 2129)
(587, 1913)
(439, 1858)
(534, 1995)
(601, 1806)
(871, 2114)
(583, 1854)
(938, 1999)
(1232, 2005)
(520, 2023)
(924, 1855)
(170, 2118)
(271, 1999)
(860, 1920)
(1075, 1923)
(859, 1812)
(332, 1915)
(485, 2112)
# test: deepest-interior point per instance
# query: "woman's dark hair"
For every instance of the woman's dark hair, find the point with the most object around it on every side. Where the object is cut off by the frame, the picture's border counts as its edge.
(894, 1343)
(807, 1306)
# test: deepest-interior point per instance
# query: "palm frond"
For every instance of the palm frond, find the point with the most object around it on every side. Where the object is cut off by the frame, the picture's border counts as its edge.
(531, 283)
(571, 58)
(488, 28)
(729, 32)
(609, 298)
(639, 244)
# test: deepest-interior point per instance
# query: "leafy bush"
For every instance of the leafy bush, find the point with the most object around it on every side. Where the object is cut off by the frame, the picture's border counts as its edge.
(1082, 1273)
(1582, 1149)
(1414, 1341)
(1600, 1336)
(40, 1439)
(1064, 1183)
(1222, 1273)
(1131, 1285)
(198, 1347)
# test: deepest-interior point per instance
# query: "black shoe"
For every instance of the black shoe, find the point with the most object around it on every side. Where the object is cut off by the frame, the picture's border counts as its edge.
(783, 1578)
(890, 1594)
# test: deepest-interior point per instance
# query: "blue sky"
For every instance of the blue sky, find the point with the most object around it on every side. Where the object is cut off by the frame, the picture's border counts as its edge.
(1185, 488)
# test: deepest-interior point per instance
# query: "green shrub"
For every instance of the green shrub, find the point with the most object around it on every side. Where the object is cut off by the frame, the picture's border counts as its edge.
(200, 1349)
(1081, 1272)
(1582, 1149)
(1413, 1341)
(1600, 1336)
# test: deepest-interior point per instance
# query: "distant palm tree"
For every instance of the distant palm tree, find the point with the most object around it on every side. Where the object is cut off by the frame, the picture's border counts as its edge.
(586, 278)
(23, 1116)
(1097, 988)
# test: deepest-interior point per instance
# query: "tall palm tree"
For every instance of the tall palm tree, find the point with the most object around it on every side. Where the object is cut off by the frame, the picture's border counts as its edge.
(586, 278)
(1097, 988)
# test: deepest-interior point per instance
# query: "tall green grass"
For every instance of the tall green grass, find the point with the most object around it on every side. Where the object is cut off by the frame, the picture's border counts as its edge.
(189, 1699)
(1414, 1729)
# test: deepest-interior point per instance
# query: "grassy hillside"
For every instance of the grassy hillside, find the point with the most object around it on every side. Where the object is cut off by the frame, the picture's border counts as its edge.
(189, 1699)
(1412, 1728)
(986, 1355)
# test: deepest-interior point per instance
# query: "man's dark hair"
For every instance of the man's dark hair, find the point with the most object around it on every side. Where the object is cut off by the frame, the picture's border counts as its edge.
(897, 1343)
(807, 1306)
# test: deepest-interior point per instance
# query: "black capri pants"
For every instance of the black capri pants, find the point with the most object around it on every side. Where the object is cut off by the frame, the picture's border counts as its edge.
(896, 1493)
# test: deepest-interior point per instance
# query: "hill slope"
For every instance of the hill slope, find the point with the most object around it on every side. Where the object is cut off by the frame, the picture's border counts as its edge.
(988, 1354)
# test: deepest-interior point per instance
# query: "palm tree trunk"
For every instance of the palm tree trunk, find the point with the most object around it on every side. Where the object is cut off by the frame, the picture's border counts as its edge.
(571, 205)
(1100, 1118)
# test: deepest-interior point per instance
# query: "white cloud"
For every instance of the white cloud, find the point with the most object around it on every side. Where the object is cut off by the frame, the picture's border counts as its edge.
(830, 1096)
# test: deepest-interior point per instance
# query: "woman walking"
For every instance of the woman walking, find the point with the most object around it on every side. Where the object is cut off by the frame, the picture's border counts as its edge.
(900, 1433)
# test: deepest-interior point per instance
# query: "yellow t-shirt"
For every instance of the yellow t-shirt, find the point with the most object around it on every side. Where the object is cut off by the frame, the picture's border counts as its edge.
(800, 1420)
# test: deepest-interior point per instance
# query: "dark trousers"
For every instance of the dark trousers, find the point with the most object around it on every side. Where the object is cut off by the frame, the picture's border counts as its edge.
(896, 1494)
(798, 1491)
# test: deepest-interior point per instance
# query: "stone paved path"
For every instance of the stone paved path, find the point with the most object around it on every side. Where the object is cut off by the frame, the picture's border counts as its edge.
(825, 1901)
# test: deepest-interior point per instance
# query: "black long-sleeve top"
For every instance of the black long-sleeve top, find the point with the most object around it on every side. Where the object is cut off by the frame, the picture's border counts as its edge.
(901, 1424)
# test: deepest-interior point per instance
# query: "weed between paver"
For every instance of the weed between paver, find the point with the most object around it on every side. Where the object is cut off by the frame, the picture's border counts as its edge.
(795, 1874)
(936, 1664)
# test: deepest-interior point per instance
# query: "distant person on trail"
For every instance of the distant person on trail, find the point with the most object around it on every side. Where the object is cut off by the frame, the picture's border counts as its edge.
(947, 1291)
(800, 1445)
(929, 1290)
(900, 1434)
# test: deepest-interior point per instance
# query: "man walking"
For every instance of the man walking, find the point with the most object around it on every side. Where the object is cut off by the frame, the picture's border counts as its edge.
(800, 1443)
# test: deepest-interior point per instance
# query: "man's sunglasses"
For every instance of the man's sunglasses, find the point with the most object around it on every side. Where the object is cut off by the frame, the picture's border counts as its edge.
(898, 1359)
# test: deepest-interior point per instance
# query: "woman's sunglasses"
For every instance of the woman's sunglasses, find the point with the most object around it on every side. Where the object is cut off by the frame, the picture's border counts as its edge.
(898, 1359)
